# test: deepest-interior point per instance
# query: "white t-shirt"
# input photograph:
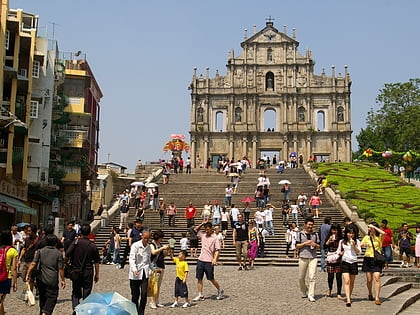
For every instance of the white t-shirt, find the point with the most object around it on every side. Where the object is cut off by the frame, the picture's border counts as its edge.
(268, 214)
(301, 200)
(294, 208)
(184, 243)
(259, 217)
(234, 213)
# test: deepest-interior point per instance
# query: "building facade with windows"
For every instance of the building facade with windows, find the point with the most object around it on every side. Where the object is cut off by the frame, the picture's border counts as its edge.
(270, 100)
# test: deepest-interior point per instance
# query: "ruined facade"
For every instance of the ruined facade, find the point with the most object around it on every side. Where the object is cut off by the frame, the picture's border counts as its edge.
(270, 78)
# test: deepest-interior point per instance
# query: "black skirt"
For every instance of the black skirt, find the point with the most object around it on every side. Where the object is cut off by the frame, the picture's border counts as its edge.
(369, 265)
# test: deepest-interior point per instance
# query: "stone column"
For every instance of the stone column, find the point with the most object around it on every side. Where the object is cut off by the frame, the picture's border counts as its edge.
(308, 148)
(231, 147)
(206, 150)
(286, 148)
(254, 151)
(334, 150)
(192, 153)
(244, 147)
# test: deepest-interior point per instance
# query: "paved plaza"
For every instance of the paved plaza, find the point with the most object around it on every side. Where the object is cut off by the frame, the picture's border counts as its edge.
(264, 290)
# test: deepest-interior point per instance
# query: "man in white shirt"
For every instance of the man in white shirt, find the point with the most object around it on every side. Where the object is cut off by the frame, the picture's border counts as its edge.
(234, 214)
(139, 271)
(269, 218)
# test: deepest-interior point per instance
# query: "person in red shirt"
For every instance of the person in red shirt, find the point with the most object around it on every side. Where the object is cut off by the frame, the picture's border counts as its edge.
(190, 214)
(388, 243)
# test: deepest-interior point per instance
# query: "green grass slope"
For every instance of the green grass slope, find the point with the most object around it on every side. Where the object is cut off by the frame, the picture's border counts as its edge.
(377, 193)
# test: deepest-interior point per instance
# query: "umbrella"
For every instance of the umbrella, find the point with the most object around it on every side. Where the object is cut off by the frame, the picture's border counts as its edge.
(151, 185)
(106, 303)
(248, 199)
(137, 184)
(22, 224)
(293, 154)
(233, 174)
(284, 181)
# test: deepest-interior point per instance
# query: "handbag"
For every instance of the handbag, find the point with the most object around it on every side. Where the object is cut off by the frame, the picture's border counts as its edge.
(332, 257)
(378, 257)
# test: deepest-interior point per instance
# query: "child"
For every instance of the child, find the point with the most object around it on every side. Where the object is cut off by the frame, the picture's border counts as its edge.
(181, 289)
(184, 242)
(172, 243)
(219, 236)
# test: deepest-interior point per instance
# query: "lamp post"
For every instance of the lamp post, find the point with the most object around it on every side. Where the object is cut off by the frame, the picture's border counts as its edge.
(104, 182)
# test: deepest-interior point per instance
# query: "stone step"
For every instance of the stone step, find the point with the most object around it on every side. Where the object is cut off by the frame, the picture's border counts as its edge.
(413, 309)
(402, 301)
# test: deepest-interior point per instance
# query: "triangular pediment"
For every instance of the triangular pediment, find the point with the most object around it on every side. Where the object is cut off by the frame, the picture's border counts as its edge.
(269, 34)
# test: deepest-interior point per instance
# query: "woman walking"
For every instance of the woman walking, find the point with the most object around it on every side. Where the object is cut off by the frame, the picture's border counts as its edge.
(254, 242)
(334, 266)
(349, 248)
(315, 202)
(373, 269)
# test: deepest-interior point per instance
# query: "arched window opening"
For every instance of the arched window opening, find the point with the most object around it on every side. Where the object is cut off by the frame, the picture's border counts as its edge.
(269, 120)
(220, 125)
(269, 54)
(238, 114)
(340, 114)
(301, 114)
(269, 81)
(200, 114)
(321, 121)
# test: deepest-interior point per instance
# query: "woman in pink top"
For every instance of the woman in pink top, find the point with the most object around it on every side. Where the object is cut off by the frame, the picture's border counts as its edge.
(315, 202)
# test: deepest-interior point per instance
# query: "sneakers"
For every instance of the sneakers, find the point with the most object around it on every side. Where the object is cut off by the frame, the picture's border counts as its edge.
(304, 295)
(311, 299)
(159, 305)
(245, 267)
(186, 304)
(153, 305)
(198, 298)
(240, 268)
(403, 265)
(220, 294)
(175, 304)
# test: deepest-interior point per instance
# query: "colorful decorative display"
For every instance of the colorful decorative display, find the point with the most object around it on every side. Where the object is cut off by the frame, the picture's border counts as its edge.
(176, 144)
(386, 154)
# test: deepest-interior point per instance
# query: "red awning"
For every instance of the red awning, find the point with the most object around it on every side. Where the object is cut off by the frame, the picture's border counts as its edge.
(7, 208)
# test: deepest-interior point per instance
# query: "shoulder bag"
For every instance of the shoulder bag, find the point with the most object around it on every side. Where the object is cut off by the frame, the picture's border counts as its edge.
(378, 257)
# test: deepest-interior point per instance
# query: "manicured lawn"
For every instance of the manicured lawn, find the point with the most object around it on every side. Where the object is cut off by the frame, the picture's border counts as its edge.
(377, 193)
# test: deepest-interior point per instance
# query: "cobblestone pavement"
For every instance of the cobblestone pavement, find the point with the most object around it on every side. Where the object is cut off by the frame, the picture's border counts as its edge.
(264, 290)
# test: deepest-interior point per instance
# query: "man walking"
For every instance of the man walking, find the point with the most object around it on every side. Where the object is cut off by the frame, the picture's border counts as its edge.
(124, 208)
(139, 271)
(240, 241)
(84, 256)
(190, 212)
(51, 267)
(388, 243)
(307, 243)
(324, 229)
(209, 254)
(404, 244)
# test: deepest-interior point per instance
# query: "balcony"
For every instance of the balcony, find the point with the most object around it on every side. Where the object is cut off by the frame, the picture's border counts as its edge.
(17, 154)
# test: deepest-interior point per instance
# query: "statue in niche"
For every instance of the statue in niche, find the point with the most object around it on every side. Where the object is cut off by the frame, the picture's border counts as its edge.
(200, 114)
(340, 114)
(238, 115)
(301, 114)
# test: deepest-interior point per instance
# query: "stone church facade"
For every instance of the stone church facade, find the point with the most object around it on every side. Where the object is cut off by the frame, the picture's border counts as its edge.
(310, 114)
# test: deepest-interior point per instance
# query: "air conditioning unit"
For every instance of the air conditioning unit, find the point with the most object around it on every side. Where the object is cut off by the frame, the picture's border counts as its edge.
(24, 72)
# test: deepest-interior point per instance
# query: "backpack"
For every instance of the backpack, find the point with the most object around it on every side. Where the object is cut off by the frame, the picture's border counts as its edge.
(4, 274)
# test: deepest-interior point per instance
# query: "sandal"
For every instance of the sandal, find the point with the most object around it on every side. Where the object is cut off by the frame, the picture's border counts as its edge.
(348, 304)
(378, 302)
(370, 297)
(328, 294)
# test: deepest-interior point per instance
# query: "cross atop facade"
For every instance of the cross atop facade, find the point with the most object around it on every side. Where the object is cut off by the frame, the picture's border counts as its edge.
(269, 20)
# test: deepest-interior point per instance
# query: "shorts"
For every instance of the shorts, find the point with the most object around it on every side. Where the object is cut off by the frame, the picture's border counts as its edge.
(181, 289)
(5, 286)
(204, 267)
(194, 243)
(406, 250)
(351, 268)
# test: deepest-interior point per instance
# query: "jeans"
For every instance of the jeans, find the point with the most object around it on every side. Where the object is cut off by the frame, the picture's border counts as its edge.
(155, 203)
(285, 216)
(323, 262)
(216, 221)
(295, 218)
(161, 218)
(307, 267)
(266, 200)
(228, 201)
(171, 219)
(117, 259)
(139, 291)
(387, 250)
(270, 227)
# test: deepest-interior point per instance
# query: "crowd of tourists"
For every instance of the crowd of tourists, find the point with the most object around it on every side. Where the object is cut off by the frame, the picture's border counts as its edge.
(44, 261)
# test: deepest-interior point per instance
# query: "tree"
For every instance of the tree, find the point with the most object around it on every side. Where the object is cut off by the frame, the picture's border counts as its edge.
(396, 124)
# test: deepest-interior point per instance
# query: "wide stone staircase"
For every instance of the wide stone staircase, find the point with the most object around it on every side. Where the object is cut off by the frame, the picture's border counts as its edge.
(201, 186)
(400, 286)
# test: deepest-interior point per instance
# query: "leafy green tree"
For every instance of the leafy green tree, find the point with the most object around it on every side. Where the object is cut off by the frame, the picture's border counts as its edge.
(396, 124)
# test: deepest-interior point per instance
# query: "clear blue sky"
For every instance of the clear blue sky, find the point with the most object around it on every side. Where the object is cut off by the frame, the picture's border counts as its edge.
(143, 54)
